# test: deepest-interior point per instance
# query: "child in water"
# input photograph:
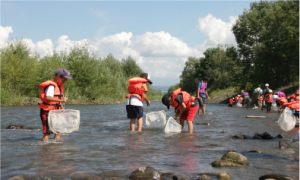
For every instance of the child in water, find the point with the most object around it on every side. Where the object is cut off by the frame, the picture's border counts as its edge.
(137, 90)
(52, 97)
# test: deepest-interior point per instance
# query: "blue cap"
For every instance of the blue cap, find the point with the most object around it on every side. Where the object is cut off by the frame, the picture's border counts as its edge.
(63, 73)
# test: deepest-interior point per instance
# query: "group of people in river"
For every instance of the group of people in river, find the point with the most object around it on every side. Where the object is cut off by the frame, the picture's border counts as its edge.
(266, 99)
(186, 106)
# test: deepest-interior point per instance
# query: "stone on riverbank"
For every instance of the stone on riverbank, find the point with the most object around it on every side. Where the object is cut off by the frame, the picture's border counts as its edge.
(275, 177)
(210, 176)
(145, 173)
(231, 159)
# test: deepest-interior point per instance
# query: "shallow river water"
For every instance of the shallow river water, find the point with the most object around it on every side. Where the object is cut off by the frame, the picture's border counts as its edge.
(104, 143)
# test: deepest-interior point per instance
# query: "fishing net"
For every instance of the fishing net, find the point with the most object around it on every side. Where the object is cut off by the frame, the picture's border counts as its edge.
(64, 121)
(156, 119)
(172, 126)
(287, 120)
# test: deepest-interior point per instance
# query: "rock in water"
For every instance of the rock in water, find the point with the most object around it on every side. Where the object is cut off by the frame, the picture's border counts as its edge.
(241, 136)
(84, 176)
(231, 159)
(15, 126)
(211, 176)
(172, 176)
(145, 173)
(204, 177)
(275, 177)
(17, 178)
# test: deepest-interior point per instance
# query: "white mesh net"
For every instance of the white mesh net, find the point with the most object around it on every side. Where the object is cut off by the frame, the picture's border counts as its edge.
(156, 119)
(64, 121)
(172, 126)
(287, 120)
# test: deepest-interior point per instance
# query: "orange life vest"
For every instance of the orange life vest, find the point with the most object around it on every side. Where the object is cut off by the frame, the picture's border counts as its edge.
(293, 105)
(269, 98)
(137, 87)
(293, 97)
(188, 100)
(58, 94)
(282, 100)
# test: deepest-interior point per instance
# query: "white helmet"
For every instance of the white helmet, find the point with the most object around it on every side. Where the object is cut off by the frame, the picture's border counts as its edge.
(267, 85)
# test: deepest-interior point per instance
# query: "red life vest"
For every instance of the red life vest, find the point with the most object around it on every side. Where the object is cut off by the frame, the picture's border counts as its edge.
(58, 94)
(137, 87)
(188, 100)
(231, 101)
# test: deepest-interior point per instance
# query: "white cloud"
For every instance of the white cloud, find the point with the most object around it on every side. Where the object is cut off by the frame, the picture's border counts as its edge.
(64, 44)
(162, 44)
(5, 31)
(158, 53)
(41, 48)
(216, 30)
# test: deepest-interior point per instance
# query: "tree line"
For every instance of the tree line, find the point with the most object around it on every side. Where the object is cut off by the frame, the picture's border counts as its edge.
(267, 51)
(99, 80)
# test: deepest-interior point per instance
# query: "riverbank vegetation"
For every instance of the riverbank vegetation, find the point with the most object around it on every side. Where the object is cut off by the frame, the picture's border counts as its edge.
(95, 80)
(267, 51)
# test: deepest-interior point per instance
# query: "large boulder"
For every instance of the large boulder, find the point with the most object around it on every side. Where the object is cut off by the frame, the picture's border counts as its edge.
(145, 173)
(231, 159)
(275, 177)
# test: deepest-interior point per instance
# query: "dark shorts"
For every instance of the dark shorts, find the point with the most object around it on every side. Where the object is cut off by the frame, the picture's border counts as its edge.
(44, 119)
(134, 112)
(203, 99)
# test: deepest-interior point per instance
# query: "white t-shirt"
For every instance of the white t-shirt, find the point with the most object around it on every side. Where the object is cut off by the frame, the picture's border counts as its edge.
(134, 101)
(50, 91)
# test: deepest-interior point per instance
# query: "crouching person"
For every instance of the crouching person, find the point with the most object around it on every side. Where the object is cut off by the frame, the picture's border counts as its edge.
(137, 90)
(185, 105)
(52, 97)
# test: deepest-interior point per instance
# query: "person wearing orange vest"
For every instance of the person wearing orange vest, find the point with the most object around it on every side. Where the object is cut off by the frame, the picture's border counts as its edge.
(268, 97)
(294, 96)
(52, 97)
(137, 90)
(186, 106)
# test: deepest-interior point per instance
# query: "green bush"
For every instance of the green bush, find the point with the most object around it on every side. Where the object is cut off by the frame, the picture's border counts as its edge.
(95, 80)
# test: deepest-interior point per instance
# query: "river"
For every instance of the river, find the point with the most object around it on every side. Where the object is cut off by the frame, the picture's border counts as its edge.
(104, 143)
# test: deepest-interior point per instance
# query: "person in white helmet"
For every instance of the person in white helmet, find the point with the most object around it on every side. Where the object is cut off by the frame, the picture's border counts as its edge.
(266, 92)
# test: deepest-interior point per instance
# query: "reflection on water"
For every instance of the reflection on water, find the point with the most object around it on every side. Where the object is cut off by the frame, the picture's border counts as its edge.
(104, 143)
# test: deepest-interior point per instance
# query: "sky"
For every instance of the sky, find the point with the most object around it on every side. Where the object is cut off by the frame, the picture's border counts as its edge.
(159, 35)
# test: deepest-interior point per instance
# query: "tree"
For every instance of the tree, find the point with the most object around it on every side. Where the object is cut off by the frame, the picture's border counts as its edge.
(268, 42)
(220, 66)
